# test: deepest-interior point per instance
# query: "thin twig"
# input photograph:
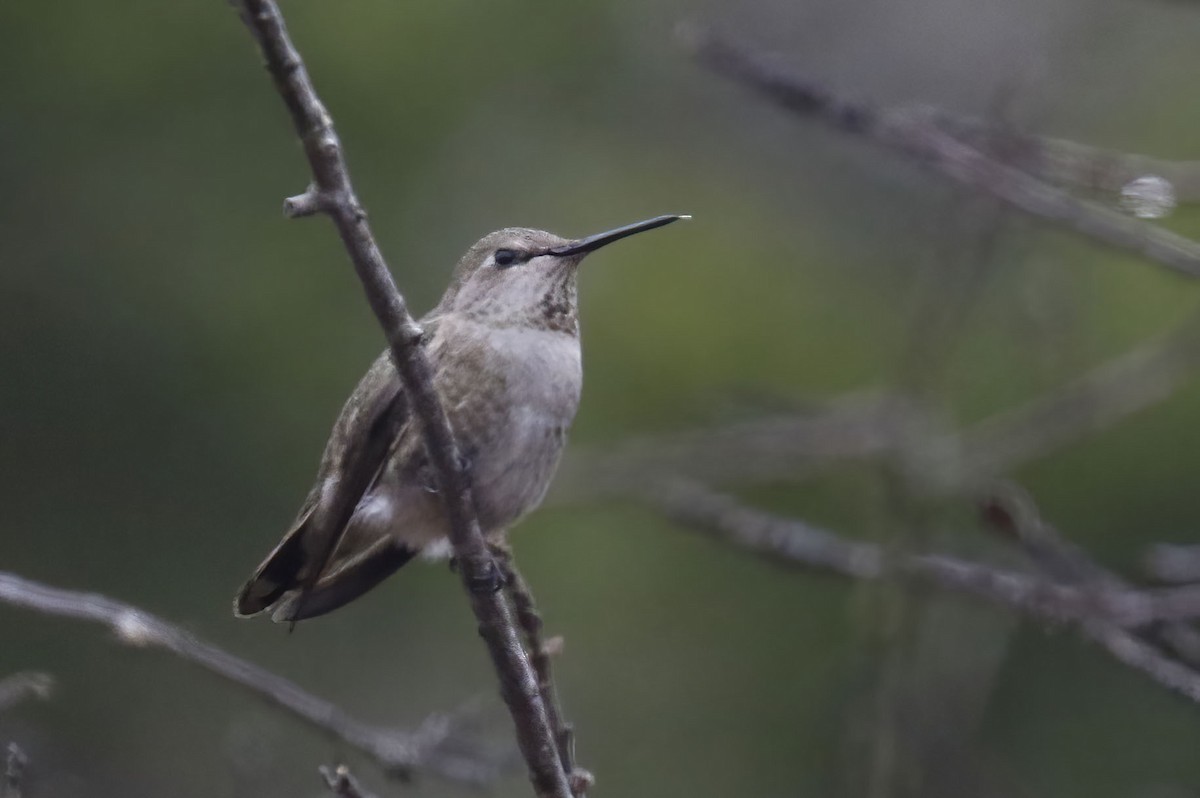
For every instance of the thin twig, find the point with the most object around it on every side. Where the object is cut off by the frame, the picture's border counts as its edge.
(333, 194)
(1172, 562)
(1067, 162)
(941, 152)
(1011, 511)
(21, 686)
(541, 653)
(400, 753)
(1094, 608)
(796, 544)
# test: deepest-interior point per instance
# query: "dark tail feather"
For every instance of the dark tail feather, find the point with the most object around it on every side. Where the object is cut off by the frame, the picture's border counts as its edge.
(279, 573)
(345, 583)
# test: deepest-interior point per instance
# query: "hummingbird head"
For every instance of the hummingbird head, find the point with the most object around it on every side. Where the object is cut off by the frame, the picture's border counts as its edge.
(517, 277)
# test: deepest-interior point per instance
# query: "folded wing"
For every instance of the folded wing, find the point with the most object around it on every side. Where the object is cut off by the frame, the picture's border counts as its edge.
(302, 575)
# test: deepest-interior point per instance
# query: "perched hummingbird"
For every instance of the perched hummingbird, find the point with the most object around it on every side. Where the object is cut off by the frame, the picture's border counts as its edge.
(504, 346)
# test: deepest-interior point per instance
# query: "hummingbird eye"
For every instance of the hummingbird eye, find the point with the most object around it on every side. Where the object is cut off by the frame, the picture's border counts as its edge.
(506, 257)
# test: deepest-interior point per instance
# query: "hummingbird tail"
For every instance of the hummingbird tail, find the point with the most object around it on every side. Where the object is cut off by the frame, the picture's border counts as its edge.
(279, 585)
(345, 583)
(278, 573)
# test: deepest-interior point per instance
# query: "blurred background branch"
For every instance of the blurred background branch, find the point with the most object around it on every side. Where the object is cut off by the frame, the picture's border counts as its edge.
(15, 764)
(1012, 511)
(930, 146)
(1067, 163)
(434, 748)
(796, 543)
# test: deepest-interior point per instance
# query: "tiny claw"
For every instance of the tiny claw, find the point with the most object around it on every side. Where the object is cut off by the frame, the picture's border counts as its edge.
(492, 581)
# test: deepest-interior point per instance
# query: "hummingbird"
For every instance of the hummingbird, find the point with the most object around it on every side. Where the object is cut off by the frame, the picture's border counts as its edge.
(503, 343)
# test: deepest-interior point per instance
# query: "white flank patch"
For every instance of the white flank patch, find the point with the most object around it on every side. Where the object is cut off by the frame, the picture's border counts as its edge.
(377, 509)
(439, 549)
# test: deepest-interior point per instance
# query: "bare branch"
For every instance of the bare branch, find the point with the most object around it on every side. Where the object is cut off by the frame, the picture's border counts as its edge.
(1100, 609)
(21, 686)
(1140, 655)
(1012, 511)
(332, 193)
(398, 752)
(1066, 162)
(1173, 563)
(941, 152)
(541, 652)
(797, 544)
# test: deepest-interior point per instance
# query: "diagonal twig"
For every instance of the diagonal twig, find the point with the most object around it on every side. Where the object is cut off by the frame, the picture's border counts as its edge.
(400, 753)
(1011, 511)
(794, 543)
(1173, 562)
(333, 194)
(541, 652)
(1067, 162)
(943, 153)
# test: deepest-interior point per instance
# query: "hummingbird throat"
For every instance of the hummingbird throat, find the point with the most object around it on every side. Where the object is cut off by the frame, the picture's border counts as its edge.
(557, 308)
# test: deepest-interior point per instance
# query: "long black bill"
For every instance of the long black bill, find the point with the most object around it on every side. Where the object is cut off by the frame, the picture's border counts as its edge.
(600, 239)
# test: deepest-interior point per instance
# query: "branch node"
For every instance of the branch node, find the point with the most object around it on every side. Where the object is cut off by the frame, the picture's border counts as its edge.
(581, 781)
(307, 204)
(341, 782)
(327, 144)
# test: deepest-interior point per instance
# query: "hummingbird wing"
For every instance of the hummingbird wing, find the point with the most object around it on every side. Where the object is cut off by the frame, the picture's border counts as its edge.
(370, 423)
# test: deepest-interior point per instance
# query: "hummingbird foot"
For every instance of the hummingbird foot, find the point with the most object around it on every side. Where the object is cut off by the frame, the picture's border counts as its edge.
(490, 581)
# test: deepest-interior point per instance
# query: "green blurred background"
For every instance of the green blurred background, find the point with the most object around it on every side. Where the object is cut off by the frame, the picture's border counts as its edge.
(172, 353)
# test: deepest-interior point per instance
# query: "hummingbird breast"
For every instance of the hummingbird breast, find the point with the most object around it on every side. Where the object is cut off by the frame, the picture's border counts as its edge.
(511, 394)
